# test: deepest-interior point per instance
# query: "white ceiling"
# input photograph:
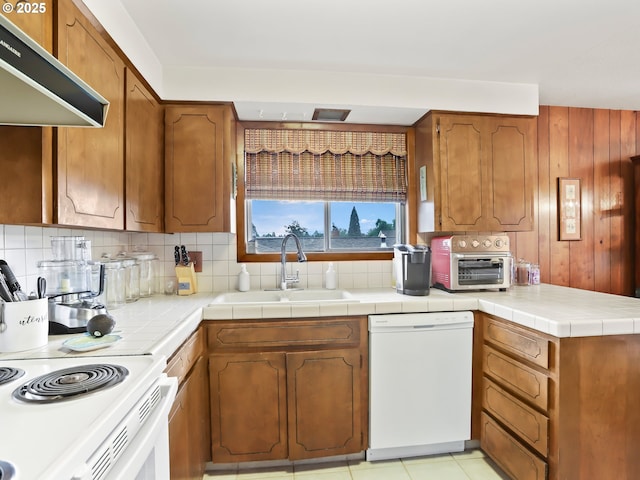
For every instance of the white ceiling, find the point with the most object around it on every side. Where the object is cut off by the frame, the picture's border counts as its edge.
(389, 61)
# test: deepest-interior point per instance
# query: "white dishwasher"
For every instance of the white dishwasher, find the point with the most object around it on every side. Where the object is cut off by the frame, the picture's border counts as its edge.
(420, 383)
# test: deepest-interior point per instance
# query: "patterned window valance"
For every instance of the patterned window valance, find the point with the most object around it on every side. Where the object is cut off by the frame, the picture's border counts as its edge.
(325, 165)
(322, 141)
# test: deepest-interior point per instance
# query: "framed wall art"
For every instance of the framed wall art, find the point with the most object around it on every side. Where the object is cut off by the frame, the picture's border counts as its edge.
(569, 208)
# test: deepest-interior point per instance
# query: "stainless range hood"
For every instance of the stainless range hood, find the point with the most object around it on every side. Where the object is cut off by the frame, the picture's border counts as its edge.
(36, 89)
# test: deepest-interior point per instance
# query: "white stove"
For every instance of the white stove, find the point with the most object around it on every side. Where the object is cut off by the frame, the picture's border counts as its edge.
(115, 431)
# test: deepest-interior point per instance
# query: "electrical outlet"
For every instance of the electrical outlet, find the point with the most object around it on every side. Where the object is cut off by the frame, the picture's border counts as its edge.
(196, 258)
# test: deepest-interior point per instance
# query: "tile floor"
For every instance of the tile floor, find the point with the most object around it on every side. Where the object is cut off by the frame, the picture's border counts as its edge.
(468, 465)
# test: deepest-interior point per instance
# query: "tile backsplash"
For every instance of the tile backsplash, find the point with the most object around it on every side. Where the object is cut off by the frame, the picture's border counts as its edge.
(23, 247)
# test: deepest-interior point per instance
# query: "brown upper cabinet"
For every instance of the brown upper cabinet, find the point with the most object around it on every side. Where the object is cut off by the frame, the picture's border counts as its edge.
(144, 161)
(199, 158)
(76, 176)
(475, 172)
(90, 161)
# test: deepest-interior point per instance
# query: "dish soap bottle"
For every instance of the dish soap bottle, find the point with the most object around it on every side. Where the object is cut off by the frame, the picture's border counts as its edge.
(244, 281)
(330, 278)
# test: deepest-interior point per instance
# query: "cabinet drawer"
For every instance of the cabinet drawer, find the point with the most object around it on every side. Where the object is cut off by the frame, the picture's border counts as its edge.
(278, 334)
(513, 457)
(530, 425)
(517, 341)
(180, 364)
(525, 382)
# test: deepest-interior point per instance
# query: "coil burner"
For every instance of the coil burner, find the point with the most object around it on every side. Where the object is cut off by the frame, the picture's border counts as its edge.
(8, 374)
(70, 382)
(7, 471)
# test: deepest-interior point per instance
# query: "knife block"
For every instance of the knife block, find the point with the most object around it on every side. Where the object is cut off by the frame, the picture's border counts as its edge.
(187, 280)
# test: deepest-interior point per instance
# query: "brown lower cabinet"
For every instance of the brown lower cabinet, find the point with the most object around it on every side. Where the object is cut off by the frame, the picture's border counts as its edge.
(189, 437)
(288, 388)
(557, 408)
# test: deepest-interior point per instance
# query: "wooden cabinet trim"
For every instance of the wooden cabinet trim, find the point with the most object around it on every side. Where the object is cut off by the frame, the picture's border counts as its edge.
(516, 377)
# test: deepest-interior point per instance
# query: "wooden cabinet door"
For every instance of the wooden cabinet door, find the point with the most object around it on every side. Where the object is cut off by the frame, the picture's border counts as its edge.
(248, 406)
(91, 160)
(199, 421)
(197, 169)
(323, 391)
(144, 162)
(179, 457)
(463, 173)
(511, 166)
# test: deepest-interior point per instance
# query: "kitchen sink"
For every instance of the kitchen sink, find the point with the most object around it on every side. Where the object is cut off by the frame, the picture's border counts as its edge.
(286, 296)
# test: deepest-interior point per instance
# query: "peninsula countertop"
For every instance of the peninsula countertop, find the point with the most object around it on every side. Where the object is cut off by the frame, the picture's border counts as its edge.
(158, 325)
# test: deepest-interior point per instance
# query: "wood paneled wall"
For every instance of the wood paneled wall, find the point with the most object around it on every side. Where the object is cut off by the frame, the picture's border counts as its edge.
(592, 145)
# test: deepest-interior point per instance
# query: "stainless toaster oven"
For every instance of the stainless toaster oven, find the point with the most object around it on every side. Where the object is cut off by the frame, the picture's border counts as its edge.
(471, 262)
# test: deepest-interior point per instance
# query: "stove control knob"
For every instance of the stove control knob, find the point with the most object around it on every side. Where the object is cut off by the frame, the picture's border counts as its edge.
(499, 243)
(486, 243)
(462, 243)
(475, 243)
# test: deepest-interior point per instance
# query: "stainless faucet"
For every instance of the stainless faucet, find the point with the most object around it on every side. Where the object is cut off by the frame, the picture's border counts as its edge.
(284, 279)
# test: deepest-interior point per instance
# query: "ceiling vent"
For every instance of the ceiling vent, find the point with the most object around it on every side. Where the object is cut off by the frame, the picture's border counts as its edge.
(330, 114)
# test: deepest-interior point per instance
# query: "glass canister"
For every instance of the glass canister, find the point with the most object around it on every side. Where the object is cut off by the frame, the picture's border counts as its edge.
(534, 274)
(131, 279)
(523, 271)
(114, 284)
(147, 275)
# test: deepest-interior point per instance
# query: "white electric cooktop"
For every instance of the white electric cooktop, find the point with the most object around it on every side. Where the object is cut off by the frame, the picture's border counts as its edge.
(50, 440)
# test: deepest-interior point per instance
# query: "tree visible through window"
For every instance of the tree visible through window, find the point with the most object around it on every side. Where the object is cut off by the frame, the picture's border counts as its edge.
(338, 191)
(360, 226)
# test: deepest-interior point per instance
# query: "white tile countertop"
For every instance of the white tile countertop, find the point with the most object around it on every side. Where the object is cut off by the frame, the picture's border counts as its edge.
(555, 310)
(155, 325)
(160, 324)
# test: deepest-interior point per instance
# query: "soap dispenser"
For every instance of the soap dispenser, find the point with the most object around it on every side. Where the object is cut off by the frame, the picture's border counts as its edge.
(244, 282)
(330, 278)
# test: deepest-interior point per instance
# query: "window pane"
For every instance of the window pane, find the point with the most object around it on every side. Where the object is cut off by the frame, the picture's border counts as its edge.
(363, 226)
(271, 220)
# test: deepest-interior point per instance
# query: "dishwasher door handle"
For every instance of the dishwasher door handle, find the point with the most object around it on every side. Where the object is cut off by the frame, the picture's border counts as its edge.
(444, 326)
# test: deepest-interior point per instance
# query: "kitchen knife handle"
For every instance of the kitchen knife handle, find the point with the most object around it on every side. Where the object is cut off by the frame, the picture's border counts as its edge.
(176, 255)
(12, 282)
(185, 255)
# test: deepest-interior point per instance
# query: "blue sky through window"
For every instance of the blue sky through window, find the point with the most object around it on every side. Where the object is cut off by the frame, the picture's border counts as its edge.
(271, 216)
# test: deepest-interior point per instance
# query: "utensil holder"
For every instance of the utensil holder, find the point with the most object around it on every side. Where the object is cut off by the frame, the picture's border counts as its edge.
(26, 325)
(187, 280)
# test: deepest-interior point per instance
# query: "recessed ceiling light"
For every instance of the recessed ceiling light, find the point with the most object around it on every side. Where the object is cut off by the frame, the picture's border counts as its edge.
(330, 114)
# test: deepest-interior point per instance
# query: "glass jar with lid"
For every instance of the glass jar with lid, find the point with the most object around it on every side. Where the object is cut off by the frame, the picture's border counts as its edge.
(523, 272)
(114, 284)
(131, 279)
(147, 272)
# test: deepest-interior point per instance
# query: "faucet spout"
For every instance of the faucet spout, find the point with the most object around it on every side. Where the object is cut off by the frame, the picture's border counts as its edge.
(284, 279)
